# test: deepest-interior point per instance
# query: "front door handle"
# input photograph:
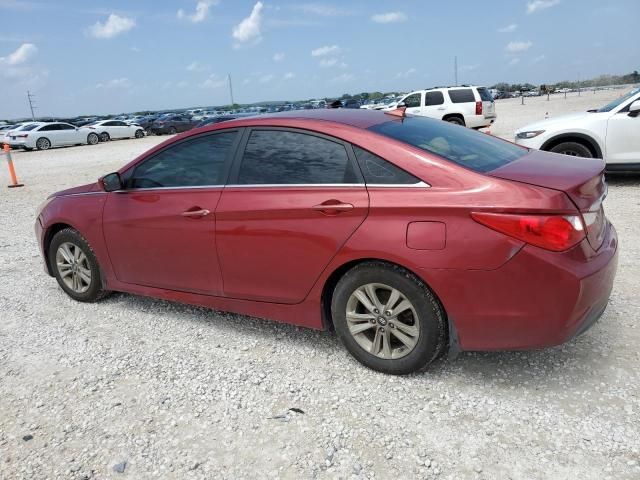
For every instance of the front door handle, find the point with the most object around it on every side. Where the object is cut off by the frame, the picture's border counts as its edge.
(332, 207)
(196, 213)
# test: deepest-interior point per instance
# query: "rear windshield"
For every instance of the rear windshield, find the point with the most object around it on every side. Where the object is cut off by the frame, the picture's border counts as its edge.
(31, 126)
(464, 146)
(485, 96)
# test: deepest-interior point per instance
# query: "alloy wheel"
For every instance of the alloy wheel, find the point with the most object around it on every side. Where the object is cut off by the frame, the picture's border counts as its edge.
(43, 144)
(73, 267)
(382, 321)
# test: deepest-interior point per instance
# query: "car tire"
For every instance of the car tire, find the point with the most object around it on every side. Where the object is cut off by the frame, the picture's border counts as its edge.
(139, 134)
(376, 339)
(573, 149)
(455, 120)
(93, 139)
(104, 137)
(75, 266)
(43, 143)
(172, 130)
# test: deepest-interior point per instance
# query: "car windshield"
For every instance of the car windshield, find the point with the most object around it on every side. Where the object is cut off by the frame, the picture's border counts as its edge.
(461, 145)
(618, 101)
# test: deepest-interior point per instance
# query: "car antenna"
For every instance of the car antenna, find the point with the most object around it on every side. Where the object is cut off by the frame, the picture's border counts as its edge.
(399, 111)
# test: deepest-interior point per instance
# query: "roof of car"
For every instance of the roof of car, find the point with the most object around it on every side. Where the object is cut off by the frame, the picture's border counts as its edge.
(361, 118)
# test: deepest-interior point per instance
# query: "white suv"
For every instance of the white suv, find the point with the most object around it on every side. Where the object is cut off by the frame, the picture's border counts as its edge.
(611, 133)
(466, 105)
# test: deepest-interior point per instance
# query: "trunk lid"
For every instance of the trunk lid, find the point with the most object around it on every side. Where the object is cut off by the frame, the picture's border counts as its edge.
(582, 179)
(488, 104)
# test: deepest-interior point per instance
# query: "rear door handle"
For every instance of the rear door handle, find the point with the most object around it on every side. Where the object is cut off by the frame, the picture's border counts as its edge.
(330, 208)
(196, 213)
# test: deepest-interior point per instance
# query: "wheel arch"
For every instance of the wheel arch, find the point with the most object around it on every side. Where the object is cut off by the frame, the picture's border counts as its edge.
(586, 140)
(455, 115)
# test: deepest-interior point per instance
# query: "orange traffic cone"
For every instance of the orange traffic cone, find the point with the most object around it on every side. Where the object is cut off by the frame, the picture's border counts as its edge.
(12, 171)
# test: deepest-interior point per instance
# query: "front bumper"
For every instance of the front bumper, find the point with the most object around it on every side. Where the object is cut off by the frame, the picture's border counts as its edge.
(537, 299)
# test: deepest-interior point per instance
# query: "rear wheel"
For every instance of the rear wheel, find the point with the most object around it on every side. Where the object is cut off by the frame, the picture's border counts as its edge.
(75, 266)
(104, 137)
(573, 149)
(387, 318)
(172, 130)
(93, 139)
(43, 144)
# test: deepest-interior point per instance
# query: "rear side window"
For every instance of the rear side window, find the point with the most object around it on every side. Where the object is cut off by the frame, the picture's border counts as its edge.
(192, 163)
(280, 157)
(433, 98)
(462, 95)
(485, 96)
(377, 170)
(464, 146)
(412, 100)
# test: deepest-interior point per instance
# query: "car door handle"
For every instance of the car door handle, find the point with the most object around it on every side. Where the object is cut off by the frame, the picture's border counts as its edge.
(196, 213)
(332, 207)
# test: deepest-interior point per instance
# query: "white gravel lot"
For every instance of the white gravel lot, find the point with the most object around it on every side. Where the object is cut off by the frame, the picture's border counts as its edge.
(138, 388)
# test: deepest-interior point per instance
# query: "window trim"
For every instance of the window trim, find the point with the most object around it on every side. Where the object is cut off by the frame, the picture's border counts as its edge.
(419, 184)
(232, 180)
(126, 176)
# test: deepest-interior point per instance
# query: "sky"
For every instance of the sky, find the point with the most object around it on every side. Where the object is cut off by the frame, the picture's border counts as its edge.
(115, 56)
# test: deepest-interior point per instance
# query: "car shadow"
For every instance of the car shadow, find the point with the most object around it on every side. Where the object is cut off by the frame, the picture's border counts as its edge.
(536, 368)
(623, 179)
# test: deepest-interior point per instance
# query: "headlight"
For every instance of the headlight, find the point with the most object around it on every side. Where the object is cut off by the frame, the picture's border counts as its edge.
(531, 134)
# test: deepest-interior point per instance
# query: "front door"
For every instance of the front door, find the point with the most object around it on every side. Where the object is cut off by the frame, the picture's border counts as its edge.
(414, 103)
(292, 202)
(160, 230)
(623, 138)
(434, 104)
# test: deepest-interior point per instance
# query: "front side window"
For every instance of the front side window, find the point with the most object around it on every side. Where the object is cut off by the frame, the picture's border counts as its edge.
(466, 147)
(198, 162)
(378, 171)
(433, 98)
(462, 95)
(412, 100)
(281, 157)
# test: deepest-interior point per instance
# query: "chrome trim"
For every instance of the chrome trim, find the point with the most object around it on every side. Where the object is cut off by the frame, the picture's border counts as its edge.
(198, 187)
(399, 185)
(296, 185)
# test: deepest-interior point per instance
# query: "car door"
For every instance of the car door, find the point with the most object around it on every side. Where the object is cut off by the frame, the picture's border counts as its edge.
(51, 132)
(160, 230)
(433, 104)
(182, 124)
(414, 103)
(622, 144)
(293, 200)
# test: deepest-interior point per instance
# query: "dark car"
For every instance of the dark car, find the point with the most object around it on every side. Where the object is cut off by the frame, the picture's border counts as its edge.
(408, 236)
(171, 124)
(212, 120)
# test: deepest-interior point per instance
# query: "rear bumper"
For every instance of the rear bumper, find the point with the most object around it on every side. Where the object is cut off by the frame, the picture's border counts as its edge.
(479, 121)
(537, 299)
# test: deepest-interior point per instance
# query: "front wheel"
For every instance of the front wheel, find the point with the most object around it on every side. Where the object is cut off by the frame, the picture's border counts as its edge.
(139, 134)
(573, 149)
(75, 266)
(172, 130)
(388, 319)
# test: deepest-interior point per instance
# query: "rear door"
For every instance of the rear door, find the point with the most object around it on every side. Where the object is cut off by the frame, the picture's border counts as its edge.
(160, 230)
(434, 104)
(69, 134)
(293, 200)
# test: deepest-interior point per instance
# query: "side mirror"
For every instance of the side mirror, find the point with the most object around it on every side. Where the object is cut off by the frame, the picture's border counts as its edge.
(634, 109)
(111, 182)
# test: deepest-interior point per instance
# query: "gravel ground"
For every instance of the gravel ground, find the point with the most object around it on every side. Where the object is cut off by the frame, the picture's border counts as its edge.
(133, 387)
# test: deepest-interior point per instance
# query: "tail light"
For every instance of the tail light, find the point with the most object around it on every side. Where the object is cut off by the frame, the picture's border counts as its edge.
(478, 108)
(551, 232)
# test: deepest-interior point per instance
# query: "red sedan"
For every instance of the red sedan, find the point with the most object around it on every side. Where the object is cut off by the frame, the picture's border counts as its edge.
(408, 236)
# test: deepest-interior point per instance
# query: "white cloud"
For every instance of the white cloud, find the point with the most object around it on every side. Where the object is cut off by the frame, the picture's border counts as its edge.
(201, 13)
(538, 59)
(113, 26)
(514, 61)
(278, 57)
(289, 76)
(517, 47)
(116, 83)
(509, 28)
(22, 54)
(214, 81)
(537, 5)
(406, 74)
(390, 17)
(326, 50)
(323, 10)
(328, 62)
(249, 29)
(266, 78)
(197, 67)
(345, 77)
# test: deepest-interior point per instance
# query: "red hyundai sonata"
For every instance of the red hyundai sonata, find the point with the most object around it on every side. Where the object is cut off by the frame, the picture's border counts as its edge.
(408, 236)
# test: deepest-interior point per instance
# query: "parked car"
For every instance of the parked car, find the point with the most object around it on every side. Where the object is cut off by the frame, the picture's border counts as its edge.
(611, 132)
(470, 106)
(115, 129)
(409, 236)
(4, 129)
(171, 124)
(46, 135)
